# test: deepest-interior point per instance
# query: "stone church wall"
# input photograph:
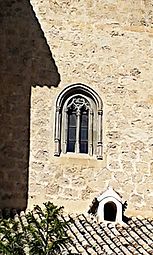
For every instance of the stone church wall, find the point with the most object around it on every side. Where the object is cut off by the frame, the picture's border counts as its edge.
(107, 45)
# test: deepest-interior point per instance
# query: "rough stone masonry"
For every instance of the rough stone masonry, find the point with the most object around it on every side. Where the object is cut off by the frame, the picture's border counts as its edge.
(108, 45)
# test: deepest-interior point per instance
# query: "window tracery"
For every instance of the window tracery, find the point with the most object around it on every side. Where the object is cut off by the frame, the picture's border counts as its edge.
(77, 125)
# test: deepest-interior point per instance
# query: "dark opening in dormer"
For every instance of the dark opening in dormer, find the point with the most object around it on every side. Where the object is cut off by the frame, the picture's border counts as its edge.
(110, 211)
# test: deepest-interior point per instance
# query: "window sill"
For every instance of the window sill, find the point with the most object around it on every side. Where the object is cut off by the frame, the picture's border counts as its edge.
(71, 159)
(78, 156)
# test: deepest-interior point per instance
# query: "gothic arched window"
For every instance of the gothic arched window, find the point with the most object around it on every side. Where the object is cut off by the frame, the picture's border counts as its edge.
(78, 122)
(77, 111)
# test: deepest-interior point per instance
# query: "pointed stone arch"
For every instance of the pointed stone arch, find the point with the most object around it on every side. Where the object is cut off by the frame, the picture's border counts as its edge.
(83, 91)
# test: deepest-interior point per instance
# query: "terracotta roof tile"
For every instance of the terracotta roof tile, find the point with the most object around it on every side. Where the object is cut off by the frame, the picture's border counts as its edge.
(135, 237)
(88, 237)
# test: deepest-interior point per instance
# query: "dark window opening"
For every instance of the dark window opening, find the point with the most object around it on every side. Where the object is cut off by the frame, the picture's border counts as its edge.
(110, 211)
(77, 124)
(71, 138)
(84, 132)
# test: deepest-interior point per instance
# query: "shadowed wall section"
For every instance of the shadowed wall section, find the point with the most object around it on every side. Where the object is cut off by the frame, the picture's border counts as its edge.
(25, 61)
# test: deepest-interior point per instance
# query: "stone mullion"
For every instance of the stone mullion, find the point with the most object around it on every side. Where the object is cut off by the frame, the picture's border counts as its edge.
(65, 128)
(90, 133)
(77, 144)
(99, 143)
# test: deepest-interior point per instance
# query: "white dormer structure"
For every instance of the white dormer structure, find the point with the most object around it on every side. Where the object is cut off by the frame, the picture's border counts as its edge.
(110, 207)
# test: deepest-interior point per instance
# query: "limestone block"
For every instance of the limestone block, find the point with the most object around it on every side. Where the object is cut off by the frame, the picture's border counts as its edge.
(87, 192)
(138, 145)
(142, 168)
(122, 177)
(145, 156)
(114, 165)
(137, 200)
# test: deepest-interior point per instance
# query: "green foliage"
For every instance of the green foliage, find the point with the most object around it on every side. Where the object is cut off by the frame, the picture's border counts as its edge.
(11, 239)
(43, 232)
(46, 231)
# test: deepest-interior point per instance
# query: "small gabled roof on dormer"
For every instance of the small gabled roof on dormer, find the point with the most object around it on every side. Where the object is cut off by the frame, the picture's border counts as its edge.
(110, 192)
(109, 207)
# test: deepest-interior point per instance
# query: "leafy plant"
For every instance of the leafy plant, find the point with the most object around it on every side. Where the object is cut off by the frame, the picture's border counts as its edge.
(46, 231)
(11, 239)
(43, 232)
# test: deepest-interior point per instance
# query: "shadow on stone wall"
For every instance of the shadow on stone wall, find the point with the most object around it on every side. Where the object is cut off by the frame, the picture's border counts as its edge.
(25, 61)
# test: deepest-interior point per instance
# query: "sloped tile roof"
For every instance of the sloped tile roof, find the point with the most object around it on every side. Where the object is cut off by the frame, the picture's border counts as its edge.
(90, 237)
